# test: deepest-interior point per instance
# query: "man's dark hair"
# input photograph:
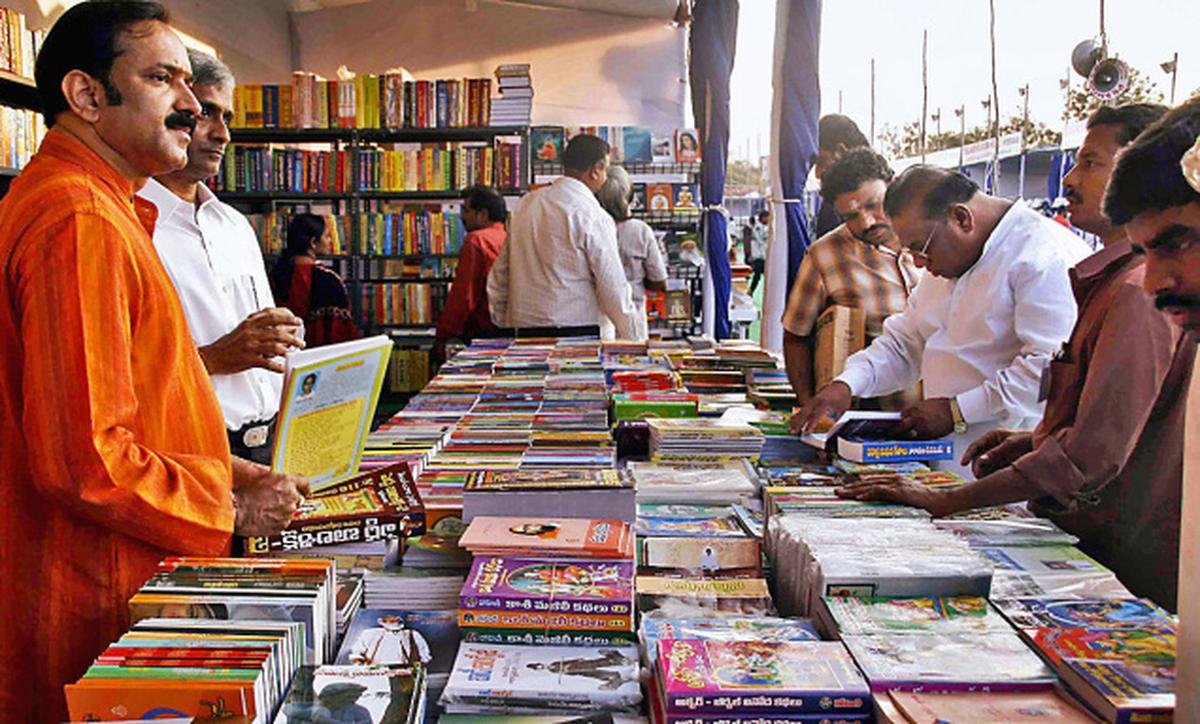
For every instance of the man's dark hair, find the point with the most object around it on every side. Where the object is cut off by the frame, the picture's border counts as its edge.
(854, 168)
(1133, 118)
(835, 129)
(486, 198)
(583, 152)
(88, 38)
(1147, 176)
(936, 189)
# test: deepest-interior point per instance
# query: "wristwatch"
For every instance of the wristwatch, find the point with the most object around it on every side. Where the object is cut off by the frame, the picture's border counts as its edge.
(960, 425)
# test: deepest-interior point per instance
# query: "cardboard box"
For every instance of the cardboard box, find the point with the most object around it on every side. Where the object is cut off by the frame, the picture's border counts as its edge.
(840, 332)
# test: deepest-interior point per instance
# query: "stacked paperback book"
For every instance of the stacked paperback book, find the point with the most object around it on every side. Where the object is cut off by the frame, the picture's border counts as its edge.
(703, 439)
(515, 104)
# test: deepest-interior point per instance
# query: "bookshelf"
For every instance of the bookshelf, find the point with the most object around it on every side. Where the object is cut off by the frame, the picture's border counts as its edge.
(18, 92)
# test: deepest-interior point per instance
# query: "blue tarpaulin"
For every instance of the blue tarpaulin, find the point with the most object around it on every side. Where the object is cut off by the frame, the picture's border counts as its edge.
(800, 110)
(1060, 165)
(713, 42)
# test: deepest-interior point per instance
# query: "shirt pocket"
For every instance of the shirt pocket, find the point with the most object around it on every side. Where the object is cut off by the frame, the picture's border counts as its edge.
(242, 294)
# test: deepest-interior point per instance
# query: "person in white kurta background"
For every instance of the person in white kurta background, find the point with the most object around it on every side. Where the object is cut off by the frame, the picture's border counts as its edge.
(640, 253)
(993, 307)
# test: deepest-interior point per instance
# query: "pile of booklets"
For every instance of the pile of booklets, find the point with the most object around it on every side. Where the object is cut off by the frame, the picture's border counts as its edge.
(564, 492)
(703, 439)
(694, 482)
(816, 557)
(696, 540)
(515, 104)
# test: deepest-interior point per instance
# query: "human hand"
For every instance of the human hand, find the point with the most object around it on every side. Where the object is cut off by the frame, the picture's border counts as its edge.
(899, 489)
(831, 401)
(256, 342)
(995, 450)
(926, 420)
(264, 501)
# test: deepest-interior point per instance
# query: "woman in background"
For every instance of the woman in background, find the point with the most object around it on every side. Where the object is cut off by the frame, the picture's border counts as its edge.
(640, 253)
(313, 292)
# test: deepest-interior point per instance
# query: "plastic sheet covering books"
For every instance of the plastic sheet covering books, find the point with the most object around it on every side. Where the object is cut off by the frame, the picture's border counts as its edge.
(1108, 614)
(949, 614)
(551, 678)
(693, 481)
(710, 626)
(1019, 584)
(1033, 707)
(1000, 661)
(1019, 532)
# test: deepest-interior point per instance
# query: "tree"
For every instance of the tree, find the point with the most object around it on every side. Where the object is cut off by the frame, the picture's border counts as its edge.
(1081, 104)
(906, 141)
(743, 177)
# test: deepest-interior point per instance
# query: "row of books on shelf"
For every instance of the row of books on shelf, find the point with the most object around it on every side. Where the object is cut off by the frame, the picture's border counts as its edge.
(405, 167)
(389, 303)
(21, 133)
(391, 100)
(19, 45)
(415, 231)
(630, 144)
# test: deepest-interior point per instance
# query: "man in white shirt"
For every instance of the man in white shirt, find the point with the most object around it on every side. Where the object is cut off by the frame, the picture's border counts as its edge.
(212, 256)
(560, 266)
(981, 326)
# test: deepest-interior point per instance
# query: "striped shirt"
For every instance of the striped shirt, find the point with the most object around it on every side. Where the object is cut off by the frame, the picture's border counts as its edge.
(560, 266)
(114, 452)
(840, 269)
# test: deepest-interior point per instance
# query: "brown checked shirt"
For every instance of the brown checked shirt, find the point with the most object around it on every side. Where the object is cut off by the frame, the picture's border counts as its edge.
(1109, 450)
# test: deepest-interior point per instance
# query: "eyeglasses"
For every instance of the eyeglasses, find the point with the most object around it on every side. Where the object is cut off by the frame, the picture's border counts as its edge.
(925, 246)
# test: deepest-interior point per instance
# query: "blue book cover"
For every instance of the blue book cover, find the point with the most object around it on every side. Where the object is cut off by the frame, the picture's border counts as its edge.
(860, 450)
(636, 144)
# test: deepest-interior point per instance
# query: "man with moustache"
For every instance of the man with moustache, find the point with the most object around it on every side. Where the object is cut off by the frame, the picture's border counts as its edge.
(859, 264)
(994, 305)
(212, 255)
(1105, 462)
(114, 453)
(1155, 192)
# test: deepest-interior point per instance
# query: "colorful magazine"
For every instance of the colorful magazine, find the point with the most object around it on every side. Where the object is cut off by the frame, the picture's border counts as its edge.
(656, 626)
(949, 614)
(759, 677)
(563, 586)
(1107, 614)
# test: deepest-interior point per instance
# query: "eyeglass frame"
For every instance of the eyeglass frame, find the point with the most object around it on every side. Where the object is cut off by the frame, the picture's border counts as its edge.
(925, 247)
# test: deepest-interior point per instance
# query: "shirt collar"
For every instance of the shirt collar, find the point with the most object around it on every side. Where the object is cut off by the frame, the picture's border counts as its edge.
(574, 185)
(68, 149)
(168, 203)
(1112, 259)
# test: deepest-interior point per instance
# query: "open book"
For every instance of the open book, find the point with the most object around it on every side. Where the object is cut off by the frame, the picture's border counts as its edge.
(329, 398)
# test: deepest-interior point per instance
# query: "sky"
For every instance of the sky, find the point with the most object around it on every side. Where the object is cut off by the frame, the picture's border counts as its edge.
(1034, 39)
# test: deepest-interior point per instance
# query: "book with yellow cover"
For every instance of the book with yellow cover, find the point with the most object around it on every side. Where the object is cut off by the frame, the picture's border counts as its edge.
(329, 398)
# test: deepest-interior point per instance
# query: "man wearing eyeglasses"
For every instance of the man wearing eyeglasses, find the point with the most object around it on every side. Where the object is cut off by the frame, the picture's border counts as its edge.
(1106, 461)
(994, 305)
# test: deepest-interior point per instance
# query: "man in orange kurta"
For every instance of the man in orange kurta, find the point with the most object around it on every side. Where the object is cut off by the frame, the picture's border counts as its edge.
(113, 452)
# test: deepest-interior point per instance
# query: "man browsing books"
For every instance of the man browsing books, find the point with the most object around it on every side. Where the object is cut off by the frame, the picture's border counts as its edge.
(465, 313)
(1106, 461)
(114, 453)
(212, 256)
(859, 264)
(560, 266)
(836, 135)
(993, 306)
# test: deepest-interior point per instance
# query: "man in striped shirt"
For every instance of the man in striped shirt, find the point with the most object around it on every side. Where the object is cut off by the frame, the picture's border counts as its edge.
(859, 264)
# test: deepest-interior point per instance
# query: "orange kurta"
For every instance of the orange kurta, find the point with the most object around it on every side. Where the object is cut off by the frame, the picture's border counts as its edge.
(112, 447)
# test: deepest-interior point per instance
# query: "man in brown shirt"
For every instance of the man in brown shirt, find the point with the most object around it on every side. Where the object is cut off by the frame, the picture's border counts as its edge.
(1155, 192)
(1106, 461)
(859, 264)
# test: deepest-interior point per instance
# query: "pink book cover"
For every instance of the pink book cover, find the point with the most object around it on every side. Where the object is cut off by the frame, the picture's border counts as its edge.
(548, 536)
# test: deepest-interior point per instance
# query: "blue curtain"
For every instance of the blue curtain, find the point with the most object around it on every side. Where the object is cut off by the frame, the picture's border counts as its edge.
(1060, 165)
(800, 101)
(713, 42)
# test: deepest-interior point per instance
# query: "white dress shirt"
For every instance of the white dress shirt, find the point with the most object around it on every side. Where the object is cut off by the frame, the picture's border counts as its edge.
(559, 266)
(985, 337)
(212, 256)
(642, 259)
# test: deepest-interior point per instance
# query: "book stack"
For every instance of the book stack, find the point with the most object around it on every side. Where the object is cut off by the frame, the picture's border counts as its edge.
(413, 588)
(395, 637)
(21, 133)
(949, 643)
(1116, 654)
(562, 492)
(816, 557)
(703, 439)
(271, 230)
(697, 482)
(242, 589)
(538, 537)
(695, 680)
(695, 541)
(191, 666)
(392, 100)
(349, 599)
(867, 438)
(361, 694)
(1050, 570)
(426, 166)
(514, 107)
(641, 405)
(982, 707)
(549, 602)
(400, 304)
